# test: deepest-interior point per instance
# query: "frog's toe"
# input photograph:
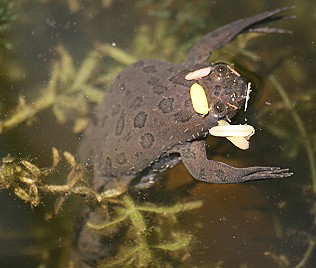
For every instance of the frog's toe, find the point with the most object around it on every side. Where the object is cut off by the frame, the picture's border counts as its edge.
(259, 173)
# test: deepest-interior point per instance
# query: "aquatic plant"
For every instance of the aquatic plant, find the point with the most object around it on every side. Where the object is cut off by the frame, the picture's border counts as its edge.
(153, 238)
(30, 182)
(68, 93)
(7, 15)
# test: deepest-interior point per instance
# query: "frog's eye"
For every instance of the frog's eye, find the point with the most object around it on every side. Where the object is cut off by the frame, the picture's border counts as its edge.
(221, 69)
(219, 108)
(199, 100)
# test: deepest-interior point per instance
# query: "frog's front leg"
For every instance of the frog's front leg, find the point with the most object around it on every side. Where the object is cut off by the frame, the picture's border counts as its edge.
(194, 158)
(223, 35)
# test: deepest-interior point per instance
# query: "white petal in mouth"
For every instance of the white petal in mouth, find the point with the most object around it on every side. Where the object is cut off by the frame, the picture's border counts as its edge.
(237, 134)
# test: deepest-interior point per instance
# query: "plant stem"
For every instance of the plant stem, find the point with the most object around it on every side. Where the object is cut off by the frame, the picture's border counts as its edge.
(301, 127)
(28, 111)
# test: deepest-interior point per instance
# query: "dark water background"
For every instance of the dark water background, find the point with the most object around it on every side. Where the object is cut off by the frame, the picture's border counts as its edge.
(258, 224)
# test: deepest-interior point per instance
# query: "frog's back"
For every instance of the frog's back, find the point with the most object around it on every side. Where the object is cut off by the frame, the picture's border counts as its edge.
(136, 123)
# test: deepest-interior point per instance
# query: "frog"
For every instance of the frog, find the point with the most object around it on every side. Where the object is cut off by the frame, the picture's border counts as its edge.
(147, 124)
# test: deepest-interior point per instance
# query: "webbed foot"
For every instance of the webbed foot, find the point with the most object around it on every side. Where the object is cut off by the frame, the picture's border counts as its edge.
(200, 52)
(256, 173)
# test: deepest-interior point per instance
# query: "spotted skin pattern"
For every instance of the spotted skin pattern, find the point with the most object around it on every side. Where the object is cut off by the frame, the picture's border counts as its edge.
(146, 123)
(147, 115)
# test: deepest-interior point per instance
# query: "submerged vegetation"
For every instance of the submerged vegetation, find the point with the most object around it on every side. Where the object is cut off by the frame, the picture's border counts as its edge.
(7, 15)
(68, 93)
(30, 183)
(74, 88)
(149, 243)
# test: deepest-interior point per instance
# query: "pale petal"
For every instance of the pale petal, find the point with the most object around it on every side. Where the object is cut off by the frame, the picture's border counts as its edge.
(197, 74)
(199, 100)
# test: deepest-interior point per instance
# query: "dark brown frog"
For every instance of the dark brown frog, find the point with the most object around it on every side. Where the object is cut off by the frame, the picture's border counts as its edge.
(147, 123)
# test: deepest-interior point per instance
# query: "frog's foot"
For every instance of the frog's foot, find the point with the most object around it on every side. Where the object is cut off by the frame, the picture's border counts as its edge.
(194, 158)
(223, 35)
(146, 182)
(255, 173)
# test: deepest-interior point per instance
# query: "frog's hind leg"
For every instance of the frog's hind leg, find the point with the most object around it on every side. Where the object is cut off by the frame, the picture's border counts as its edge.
(148, 177)
(223, 35)
(194, 158)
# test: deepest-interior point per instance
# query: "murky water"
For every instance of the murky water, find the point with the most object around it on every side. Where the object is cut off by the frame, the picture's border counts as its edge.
(257, 224)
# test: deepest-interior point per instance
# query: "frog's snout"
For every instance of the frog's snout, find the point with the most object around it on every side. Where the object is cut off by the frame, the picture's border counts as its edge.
(225, 88)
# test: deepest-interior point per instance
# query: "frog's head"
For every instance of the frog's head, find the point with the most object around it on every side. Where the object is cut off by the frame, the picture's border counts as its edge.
(220, 91)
